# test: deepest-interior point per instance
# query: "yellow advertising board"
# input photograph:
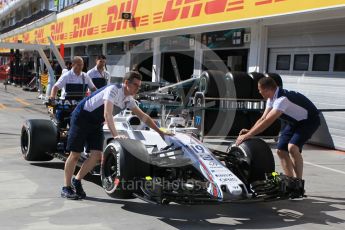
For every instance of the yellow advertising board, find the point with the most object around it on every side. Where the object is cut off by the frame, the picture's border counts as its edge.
(104, 20)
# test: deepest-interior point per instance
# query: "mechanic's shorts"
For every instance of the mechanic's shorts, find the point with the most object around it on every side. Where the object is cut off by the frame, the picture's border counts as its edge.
(83, 133)
(298, 134)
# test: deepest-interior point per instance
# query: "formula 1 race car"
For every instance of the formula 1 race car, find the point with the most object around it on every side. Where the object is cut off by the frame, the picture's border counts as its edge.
(182, 169)
(178, 168)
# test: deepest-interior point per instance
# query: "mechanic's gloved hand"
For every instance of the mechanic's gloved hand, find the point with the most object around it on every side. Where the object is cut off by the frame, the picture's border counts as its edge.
(50, 101)
(165, 132)
(243, 131)
(121, 137)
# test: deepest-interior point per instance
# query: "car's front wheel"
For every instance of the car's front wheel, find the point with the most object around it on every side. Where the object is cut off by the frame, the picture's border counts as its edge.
(112, 181)
(124, 164)
(255, 158)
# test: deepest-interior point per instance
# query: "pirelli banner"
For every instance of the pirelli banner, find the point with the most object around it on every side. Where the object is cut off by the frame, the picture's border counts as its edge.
(90, 21)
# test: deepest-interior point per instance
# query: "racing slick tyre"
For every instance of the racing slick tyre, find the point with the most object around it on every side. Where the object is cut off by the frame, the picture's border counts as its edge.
(256, 77)
(38, 137)
(213, 83)
(124, 164)
(257, 156)
(240, 85)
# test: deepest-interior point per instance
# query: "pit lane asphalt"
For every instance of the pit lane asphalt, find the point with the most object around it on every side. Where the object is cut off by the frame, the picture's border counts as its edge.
(29, 192)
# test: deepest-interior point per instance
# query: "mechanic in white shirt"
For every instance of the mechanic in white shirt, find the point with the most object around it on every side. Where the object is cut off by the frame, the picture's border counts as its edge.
(301, 117)
(87, 127)
(98, 74)
(74, 77)
(73, 84)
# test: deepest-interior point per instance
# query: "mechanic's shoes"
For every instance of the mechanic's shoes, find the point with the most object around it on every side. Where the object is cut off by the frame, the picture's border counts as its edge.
(78, 188)
(297, 189)
(68, 192)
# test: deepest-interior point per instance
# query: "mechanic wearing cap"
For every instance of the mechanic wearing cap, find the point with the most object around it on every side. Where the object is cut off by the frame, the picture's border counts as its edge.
(73, 84)
(301, 116)
(87, 127)
(98, 74)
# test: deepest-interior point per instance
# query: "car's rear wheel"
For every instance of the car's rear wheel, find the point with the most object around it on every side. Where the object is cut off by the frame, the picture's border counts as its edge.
(256, 157)
(38, 137)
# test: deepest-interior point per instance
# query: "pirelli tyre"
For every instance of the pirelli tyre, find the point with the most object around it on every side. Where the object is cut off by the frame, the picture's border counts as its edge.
(124, 164)
(257, 158)
(38, 137)
(240, 85)
(256, 77)
(240, 88)
(215, 84)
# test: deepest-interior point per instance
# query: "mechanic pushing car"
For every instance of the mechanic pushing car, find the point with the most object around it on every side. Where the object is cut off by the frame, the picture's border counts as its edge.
(87, 127)
(301, 117)
(73, 84)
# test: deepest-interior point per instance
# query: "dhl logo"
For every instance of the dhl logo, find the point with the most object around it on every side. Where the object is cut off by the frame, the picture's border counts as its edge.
(265, 2)
(26, 38)
(39, 35)
(57, 31)
(114, 16)
(183, 9)
(81, 26)
(15, 39)
(104, 20)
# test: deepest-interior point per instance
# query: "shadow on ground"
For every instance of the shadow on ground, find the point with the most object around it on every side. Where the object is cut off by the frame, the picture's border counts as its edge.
(264, 215)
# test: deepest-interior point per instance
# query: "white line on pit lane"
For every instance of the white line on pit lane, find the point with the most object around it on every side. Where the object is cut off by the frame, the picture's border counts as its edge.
(320, 166)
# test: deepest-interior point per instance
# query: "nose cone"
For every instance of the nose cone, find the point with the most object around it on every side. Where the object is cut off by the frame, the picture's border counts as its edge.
(226, 192)
(232, 192)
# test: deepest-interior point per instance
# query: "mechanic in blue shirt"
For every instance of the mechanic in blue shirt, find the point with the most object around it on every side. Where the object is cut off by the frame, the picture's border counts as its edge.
(87, 127)
(301, 116)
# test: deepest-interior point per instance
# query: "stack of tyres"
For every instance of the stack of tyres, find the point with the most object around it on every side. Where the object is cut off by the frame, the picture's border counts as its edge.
(256, 77)
(255, 114)
(241, 87)
(211, 119)
(274, 129)
(225, 114)
(228, 99)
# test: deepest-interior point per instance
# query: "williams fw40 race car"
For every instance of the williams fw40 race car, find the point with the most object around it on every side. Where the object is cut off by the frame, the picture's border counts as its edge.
(182, 169)
(178, 168)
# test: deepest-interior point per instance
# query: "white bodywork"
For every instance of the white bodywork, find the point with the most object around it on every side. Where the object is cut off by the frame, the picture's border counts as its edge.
(223, 184)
